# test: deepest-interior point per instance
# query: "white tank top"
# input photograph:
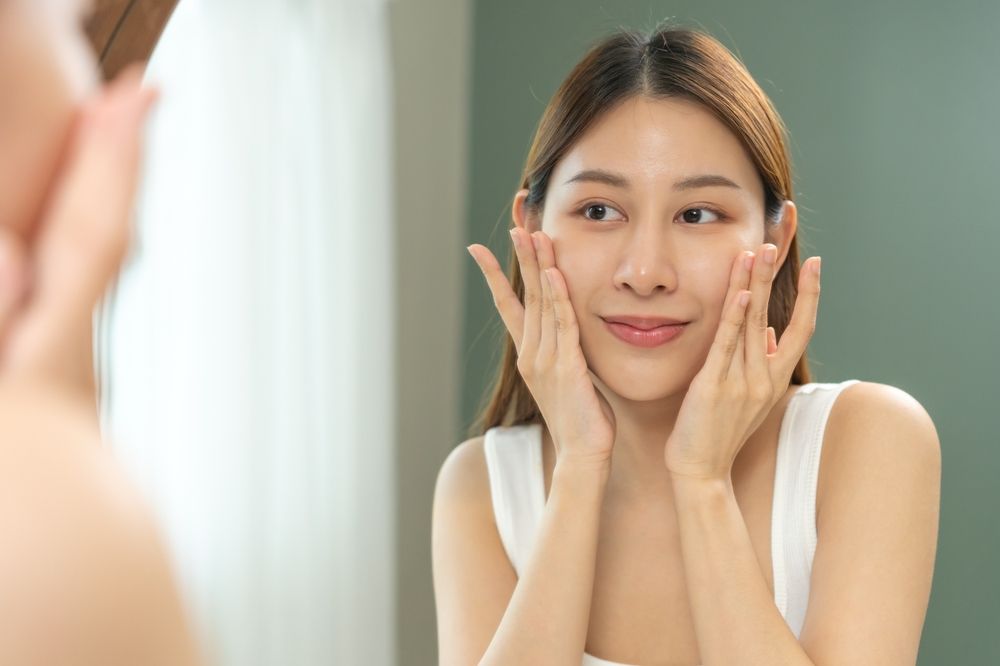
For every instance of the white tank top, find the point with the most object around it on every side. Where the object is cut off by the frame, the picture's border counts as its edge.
(517, 486)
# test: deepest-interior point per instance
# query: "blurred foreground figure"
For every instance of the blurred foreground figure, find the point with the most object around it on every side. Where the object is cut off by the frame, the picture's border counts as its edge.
(84, 575)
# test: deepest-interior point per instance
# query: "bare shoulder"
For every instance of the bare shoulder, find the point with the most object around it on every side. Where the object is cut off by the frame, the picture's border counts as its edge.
(83, 554)
(463, 505)
(463, 475)
(872, 405)
(876, 428)
(473, 579)
(878, 508)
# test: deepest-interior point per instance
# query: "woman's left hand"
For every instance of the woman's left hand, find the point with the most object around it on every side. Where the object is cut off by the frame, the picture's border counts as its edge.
(51, 282)
(746, 371)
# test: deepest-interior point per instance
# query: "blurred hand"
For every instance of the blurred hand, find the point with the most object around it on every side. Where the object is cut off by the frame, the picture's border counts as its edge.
(51, 282)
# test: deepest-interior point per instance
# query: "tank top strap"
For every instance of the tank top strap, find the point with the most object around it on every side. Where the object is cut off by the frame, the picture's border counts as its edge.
(517, 486)
(793, 515)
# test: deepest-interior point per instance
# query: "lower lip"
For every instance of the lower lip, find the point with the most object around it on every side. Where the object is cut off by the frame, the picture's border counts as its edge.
(654, 337)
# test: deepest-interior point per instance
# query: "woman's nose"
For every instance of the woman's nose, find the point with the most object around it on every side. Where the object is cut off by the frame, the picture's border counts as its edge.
(647, 264)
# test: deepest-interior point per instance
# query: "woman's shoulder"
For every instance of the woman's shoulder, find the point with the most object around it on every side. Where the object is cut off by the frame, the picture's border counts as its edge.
(464, 469)
(875, 430)
(76, 528)
(863, 406)
(464, 475)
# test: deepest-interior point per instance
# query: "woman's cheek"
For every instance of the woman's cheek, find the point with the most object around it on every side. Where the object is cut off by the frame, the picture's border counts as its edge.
(711, 275)
(579, 261)
(583, 274)
(76, 61)
(570, 266)
(35, 123)
(708, 279)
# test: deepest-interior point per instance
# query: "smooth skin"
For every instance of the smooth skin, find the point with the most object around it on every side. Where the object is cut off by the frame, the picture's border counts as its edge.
(86, 577)
(659, 553)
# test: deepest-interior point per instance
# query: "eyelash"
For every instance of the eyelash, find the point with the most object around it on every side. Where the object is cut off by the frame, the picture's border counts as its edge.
(715, 211)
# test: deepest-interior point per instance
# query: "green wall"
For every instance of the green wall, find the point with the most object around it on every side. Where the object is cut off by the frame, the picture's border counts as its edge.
(893, 112)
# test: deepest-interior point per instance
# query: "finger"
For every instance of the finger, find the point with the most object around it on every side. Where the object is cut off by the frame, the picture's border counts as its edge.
(567, 327)
(720, 355)
(800, 329)
(505, 300)
(528, 264)
(547, 333)
(756, 320)
(737, 364)
(772, 341)
(739, 277)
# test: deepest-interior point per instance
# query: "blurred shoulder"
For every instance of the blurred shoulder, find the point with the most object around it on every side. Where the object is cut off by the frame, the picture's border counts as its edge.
(83, 554)
(52, 454)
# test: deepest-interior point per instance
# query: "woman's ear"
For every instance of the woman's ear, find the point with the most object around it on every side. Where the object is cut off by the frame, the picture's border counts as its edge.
(519, 210)
(782, 233)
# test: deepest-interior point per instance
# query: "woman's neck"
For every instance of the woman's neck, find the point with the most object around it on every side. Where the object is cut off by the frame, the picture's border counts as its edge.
(642, 429)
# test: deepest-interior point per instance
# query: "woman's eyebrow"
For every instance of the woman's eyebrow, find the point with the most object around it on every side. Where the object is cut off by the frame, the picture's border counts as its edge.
(599, 176)
(618, 180)
(706, 180)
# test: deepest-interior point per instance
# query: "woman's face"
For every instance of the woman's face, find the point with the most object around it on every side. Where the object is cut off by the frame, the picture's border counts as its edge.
(46, 69)
(647, 213)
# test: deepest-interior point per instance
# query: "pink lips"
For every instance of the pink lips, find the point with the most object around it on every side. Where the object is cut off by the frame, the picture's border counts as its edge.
(644, 331)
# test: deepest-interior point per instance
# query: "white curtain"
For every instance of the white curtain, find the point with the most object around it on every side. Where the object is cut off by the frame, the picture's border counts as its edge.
(247, 354)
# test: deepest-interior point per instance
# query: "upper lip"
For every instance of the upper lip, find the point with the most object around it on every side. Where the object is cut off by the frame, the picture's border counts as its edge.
(643, 322)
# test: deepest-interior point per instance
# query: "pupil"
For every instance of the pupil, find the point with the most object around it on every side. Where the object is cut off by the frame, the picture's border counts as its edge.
(598, 211)
(692, 215)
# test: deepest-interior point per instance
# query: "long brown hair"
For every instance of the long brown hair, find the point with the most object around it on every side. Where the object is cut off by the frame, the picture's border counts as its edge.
(672, 62)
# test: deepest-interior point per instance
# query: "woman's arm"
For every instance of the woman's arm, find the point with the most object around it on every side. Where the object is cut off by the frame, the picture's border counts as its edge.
(872, 571)
(546, 619)
(545, 616)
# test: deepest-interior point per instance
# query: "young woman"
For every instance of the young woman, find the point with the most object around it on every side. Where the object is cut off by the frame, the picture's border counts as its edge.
(659, 480)
(84, 574)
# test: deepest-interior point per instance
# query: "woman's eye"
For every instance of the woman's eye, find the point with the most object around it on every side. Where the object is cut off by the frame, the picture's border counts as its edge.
(697, 215)
(602, 212)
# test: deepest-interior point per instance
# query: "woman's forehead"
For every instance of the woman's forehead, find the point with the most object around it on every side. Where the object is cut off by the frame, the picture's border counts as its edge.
(656, 140)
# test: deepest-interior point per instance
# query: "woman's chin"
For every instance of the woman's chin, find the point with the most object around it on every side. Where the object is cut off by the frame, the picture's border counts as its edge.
(644, 381)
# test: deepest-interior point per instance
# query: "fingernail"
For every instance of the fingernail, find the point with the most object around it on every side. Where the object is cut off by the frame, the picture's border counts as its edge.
(748, 260)
(816, 264)
(514, 238)
(770, 254)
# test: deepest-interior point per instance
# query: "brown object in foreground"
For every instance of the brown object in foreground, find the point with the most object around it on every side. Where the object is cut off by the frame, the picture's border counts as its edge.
(126, 31)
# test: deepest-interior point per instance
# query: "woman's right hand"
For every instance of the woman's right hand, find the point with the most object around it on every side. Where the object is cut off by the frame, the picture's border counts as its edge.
(549, 357)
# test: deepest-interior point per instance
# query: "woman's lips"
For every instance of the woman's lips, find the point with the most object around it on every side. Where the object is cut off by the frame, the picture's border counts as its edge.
(653, 337)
